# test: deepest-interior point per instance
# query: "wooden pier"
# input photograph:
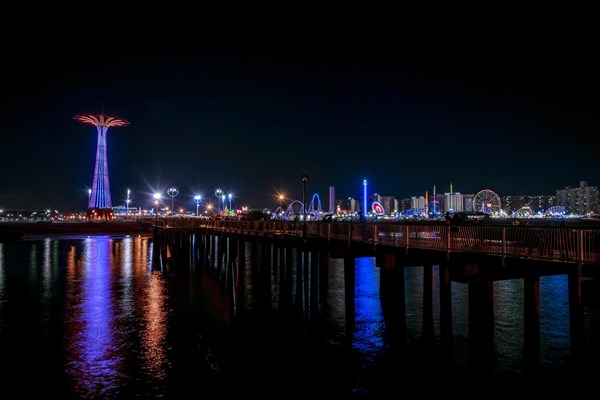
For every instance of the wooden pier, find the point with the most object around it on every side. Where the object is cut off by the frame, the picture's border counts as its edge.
(474, 255)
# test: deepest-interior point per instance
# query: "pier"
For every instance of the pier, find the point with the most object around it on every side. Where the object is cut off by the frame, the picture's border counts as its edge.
(473, 255)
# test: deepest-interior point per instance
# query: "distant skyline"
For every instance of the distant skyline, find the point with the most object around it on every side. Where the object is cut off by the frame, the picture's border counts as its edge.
(186, 200)
(251, 114)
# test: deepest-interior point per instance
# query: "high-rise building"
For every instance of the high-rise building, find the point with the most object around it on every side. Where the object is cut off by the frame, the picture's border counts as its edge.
(514, 202)
(404, 205)
(389, 203)
(580, 200)
(540, 203)
(453, 202)
(349, 205)
(467, 203)
(537, 203)
(418, 205)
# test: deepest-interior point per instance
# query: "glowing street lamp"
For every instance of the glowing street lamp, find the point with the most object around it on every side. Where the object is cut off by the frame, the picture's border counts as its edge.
(156, 203)
(128, 201)
(281, 198)
(304, 182)
(219, 194)
(172, 192)
(230, 195)
(197, 200)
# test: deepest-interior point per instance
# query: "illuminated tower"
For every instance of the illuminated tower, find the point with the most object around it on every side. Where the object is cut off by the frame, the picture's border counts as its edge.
(331, 200)
(100, 204)
(365, 197)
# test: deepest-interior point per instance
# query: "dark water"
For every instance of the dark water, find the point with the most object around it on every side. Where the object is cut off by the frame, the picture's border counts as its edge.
(99, 318)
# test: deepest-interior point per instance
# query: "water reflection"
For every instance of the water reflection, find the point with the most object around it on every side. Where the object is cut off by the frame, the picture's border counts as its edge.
(2, 285)
(414, 301)
(49, 264)
(554, 319)
(509, 324)
(94, 357)
(154, 359)
(114, 327)
(368, 337)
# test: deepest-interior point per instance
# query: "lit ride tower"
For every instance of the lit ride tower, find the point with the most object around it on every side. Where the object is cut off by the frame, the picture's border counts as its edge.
(100, 204)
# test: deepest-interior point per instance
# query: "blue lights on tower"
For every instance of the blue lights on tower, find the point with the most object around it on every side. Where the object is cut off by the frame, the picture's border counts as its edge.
(365, 197)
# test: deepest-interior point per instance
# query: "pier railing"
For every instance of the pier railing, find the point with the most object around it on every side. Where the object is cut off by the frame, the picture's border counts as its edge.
(570, 244)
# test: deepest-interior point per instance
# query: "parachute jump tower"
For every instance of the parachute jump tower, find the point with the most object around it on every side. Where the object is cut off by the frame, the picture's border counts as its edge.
(100, 203)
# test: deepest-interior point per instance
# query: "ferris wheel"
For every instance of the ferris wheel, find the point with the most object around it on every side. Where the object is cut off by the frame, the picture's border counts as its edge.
(486, 201)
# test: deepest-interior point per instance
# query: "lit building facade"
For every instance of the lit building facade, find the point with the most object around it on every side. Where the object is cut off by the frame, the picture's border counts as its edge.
(349, 205)
(467, 204)
(389, 203)
(537, 203)
(581, 200)
(418, 205)
(453, 202)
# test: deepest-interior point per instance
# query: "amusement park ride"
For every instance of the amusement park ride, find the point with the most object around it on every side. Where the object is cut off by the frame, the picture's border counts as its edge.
(295, 210)
(487, 202)
(484, 202)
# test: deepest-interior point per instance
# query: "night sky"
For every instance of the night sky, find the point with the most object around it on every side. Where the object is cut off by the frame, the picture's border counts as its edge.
(250, 114)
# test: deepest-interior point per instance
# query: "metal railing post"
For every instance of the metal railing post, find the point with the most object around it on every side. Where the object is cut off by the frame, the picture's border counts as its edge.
(503, 246)
(580, 246)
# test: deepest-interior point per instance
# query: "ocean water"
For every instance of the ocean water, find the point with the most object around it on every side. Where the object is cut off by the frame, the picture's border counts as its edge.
(89, 317)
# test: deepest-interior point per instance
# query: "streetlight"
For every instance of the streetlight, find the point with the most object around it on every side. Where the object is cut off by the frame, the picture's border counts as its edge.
(172, 192)
(156, 203)
(304, 182)
(89, 197)
(197, 200)
(281, 198)
(219, 195)
(230, 195)
(128, 201)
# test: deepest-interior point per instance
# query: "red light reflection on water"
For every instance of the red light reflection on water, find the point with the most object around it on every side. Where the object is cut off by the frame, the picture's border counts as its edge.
(155, 332)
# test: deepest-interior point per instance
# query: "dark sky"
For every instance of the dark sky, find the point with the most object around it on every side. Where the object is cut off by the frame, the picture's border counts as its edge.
(248, 113)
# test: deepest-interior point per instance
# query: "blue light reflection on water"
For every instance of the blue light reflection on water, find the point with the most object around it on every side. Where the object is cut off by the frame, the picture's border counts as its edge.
(117, 329)
(93, 345)
(508, 340)
(509, 323)
(368, 337)
(554, 320)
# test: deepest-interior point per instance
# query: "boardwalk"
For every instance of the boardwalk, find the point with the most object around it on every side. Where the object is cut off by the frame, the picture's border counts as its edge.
(576, 244)
(476, 255)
